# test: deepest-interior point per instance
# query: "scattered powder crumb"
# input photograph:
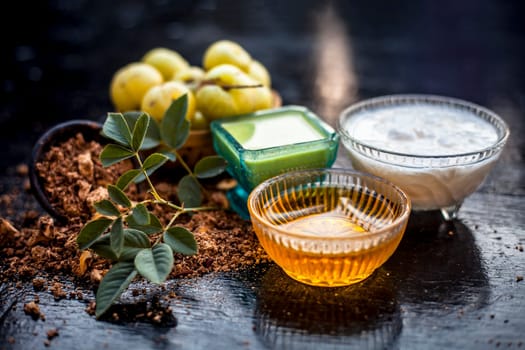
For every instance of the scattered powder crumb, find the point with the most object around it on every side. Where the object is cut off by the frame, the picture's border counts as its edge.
(57, 291)
(39, 284)
(33, 310)
(52, 333)
(22, 169)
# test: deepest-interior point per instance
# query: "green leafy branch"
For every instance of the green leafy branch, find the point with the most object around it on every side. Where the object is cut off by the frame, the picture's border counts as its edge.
(124, 230)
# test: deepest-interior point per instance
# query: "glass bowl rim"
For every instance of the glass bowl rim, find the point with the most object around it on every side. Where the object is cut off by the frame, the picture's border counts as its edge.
(405, 99)
(406, 204)
(330, 134)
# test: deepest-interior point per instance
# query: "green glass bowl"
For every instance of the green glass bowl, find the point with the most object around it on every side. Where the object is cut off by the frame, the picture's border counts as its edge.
(251, 164)
(270, 142)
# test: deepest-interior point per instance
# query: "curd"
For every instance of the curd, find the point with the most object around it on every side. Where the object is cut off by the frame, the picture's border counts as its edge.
(439, 151)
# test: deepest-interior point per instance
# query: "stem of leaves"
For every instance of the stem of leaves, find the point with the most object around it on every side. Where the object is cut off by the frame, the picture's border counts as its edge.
(124, 231)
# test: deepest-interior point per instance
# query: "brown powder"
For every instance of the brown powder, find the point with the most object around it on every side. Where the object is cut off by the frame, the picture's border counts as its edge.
(32, 309)
(74, 179)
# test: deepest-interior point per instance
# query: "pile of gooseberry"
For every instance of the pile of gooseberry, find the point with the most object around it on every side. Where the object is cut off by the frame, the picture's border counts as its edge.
(230, 82)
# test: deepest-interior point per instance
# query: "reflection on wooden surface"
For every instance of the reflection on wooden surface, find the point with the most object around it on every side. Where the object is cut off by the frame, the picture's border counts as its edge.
(292, 315)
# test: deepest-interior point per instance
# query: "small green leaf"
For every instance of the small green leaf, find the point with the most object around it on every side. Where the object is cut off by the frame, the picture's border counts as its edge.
(116, 280)
(210, 166)
(152, 138)
(175, 128)
(134, 241)
(155, 264)
(141, 214)
(180, 240)
(106, 207)
(118, 196)
(112, 154)
(125, 179)
(139, 131)
(92, 231)
(152, 163)
(116, 237)
(116, 128)
(102, 247)
(168, 152)
(189, 192)
(154, 225)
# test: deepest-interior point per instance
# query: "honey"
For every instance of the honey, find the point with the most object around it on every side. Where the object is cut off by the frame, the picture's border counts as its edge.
(336, 225)
(331, 240)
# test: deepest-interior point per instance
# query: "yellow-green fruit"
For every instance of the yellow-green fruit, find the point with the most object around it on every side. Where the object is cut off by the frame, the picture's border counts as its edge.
(191, 76)
(159, 98)
(259, 72)
(226, 52)
(231, 92)
(199, 122)
(166, 61)
(130, 83)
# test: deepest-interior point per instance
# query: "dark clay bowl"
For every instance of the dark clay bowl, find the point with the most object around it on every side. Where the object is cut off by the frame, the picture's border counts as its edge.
(60, 133)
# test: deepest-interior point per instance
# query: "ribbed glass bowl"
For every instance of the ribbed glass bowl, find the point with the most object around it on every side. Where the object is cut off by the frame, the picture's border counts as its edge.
(433, 182)
(328, 227)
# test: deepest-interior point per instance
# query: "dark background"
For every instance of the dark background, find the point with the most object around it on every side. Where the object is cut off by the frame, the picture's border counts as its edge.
(58, 57)
(447, 286)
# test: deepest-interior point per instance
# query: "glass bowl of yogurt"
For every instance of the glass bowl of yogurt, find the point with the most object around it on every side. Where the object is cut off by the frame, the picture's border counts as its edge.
(439, 150)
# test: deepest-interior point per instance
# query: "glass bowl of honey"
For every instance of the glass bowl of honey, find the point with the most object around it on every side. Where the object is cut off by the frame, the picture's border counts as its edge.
(328, 227)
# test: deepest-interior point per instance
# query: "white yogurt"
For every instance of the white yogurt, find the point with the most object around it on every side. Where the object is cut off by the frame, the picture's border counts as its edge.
(424, 130)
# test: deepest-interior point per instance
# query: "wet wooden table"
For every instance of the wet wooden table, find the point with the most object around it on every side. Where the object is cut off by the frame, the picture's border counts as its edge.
(453, 286)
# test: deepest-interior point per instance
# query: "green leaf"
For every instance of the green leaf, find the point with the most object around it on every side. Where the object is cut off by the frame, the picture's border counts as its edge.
(189, 192)
(106, 207)
(152, 138)
(134, 241)
(116, 128)
(116, 280)
(141, 214)
(168, 152)
(92, 231)
(152, 163)
(180, 240)
(103, 248)
(154, 225)
(210, 166)
(155, 264)
(175, 128)
(118, 196)
(125, 179)
(112, 154)
(116, 237)
(139, 131)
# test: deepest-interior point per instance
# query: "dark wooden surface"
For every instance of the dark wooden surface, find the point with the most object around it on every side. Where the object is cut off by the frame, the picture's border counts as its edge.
(447, 286)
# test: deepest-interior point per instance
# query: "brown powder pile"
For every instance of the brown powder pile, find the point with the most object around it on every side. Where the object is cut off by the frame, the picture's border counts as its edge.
(74, 179)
